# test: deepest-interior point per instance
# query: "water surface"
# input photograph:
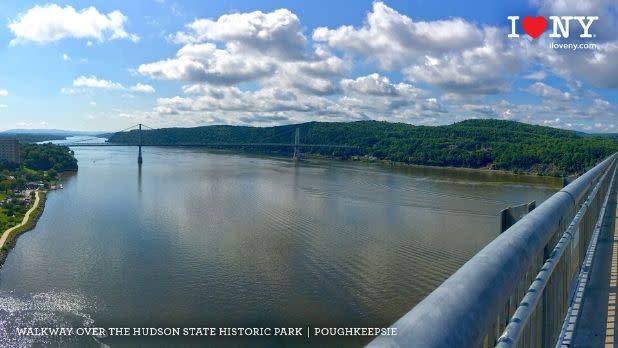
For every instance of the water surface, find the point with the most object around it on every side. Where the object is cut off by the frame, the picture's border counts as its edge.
(198, 238)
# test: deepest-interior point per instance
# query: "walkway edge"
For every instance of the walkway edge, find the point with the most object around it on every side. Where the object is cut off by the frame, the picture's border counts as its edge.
(565, 339)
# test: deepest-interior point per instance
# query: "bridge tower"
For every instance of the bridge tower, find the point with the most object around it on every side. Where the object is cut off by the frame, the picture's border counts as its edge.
(296, 147)
(139, 154)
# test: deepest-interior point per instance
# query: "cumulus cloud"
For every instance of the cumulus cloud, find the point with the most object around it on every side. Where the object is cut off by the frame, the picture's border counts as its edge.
(259, 68)
(378, 97)
(596, 66)
(607, 11)
(219, 98)
(461, 57)
(393, 39)
(268, 48)
(3, 92)
(453, 54)
(276, 33)
(366, 97)
(484, 110)
(548, 92)
(373, 84)
(142, 88)
(49, 23)
(206, 63)
(93, 82)
(483, 69)
(537, 75)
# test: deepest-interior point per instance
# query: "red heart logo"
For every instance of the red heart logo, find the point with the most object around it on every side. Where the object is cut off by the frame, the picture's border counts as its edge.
(534, 26)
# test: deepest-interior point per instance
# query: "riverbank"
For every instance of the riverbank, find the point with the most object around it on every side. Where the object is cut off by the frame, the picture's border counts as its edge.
(9, 237)
(482, 173)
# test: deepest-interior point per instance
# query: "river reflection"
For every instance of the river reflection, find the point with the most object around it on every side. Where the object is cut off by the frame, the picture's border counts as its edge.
(198, 238)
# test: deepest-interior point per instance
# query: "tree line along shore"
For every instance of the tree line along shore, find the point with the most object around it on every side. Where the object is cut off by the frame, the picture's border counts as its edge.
(23, 188)
(491, 144)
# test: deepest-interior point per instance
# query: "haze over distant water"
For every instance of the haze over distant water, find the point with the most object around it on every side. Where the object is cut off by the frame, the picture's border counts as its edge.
(51, 131)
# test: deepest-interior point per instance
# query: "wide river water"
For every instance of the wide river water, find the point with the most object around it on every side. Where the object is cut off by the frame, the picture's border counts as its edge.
(197, 238)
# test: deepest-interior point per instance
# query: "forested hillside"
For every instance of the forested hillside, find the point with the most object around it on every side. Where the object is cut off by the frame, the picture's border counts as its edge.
(46, 157)
(494, 144)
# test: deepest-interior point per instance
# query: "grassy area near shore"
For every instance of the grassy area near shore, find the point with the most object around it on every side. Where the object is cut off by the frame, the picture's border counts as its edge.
(35, 212)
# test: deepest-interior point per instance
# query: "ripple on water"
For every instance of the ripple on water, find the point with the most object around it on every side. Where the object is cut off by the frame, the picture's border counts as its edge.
(45, 309)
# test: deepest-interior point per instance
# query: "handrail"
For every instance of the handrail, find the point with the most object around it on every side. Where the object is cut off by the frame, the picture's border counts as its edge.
(514, 331)
(461, 311)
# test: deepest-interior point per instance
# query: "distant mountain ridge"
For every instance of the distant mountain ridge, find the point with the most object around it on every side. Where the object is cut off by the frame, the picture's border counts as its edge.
(487, 143)
(49, 131)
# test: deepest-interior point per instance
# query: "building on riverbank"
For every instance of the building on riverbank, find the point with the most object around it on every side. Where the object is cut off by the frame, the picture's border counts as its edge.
(9, 150)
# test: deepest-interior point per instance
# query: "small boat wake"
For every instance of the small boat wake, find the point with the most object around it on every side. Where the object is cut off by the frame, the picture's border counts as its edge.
(54, 309)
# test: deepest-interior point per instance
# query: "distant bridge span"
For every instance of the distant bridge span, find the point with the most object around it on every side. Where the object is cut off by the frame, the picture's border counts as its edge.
(216, 145)
(296, 145)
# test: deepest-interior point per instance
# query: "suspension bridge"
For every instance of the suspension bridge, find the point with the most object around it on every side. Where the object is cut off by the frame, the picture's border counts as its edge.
(140, 128)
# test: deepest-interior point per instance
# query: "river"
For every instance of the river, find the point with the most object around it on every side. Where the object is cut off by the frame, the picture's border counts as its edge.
(197, 238)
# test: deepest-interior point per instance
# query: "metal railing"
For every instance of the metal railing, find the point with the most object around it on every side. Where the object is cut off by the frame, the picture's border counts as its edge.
(527, 271)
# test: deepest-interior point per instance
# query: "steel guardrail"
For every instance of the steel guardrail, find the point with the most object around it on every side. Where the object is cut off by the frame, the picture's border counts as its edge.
(472, 307)
(520, 330)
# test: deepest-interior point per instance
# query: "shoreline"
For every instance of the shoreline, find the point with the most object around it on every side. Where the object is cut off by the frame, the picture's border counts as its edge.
(10, 235)
(374, 161)
(395, 164)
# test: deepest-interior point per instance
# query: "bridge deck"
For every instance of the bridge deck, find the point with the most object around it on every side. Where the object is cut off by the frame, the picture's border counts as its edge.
(596, 324)
(217, 145)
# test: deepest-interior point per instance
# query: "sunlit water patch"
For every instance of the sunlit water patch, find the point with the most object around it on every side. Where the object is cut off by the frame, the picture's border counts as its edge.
(54, 309)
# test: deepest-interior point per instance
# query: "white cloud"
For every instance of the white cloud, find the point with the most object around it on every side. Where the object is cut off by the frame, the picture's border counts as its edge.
(461, 57)
(596, 66)
(268, 48)
(48, 23)
(548, 92)
(377, 97)
(3, 92)
(453, 54)
(373, 84)
(92, 82)
(276, 33)
(142, 88)
(604, 28)
(449, 68)
(394, 39)
(68, 91)
(66, 57)
(207, 63)
(40, 124)
(365, 97)
(483, 69)
(485, 110)
(537, 75)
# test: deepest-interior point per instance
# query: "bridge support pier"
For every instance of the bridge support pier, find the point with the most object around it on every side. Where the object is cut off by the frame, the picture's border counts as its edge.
(139, 154)
(296, 147)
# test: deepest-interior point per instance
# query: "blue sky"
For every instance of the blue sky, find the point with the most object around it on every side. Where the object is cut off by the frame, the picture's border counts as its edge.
(106, 65)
